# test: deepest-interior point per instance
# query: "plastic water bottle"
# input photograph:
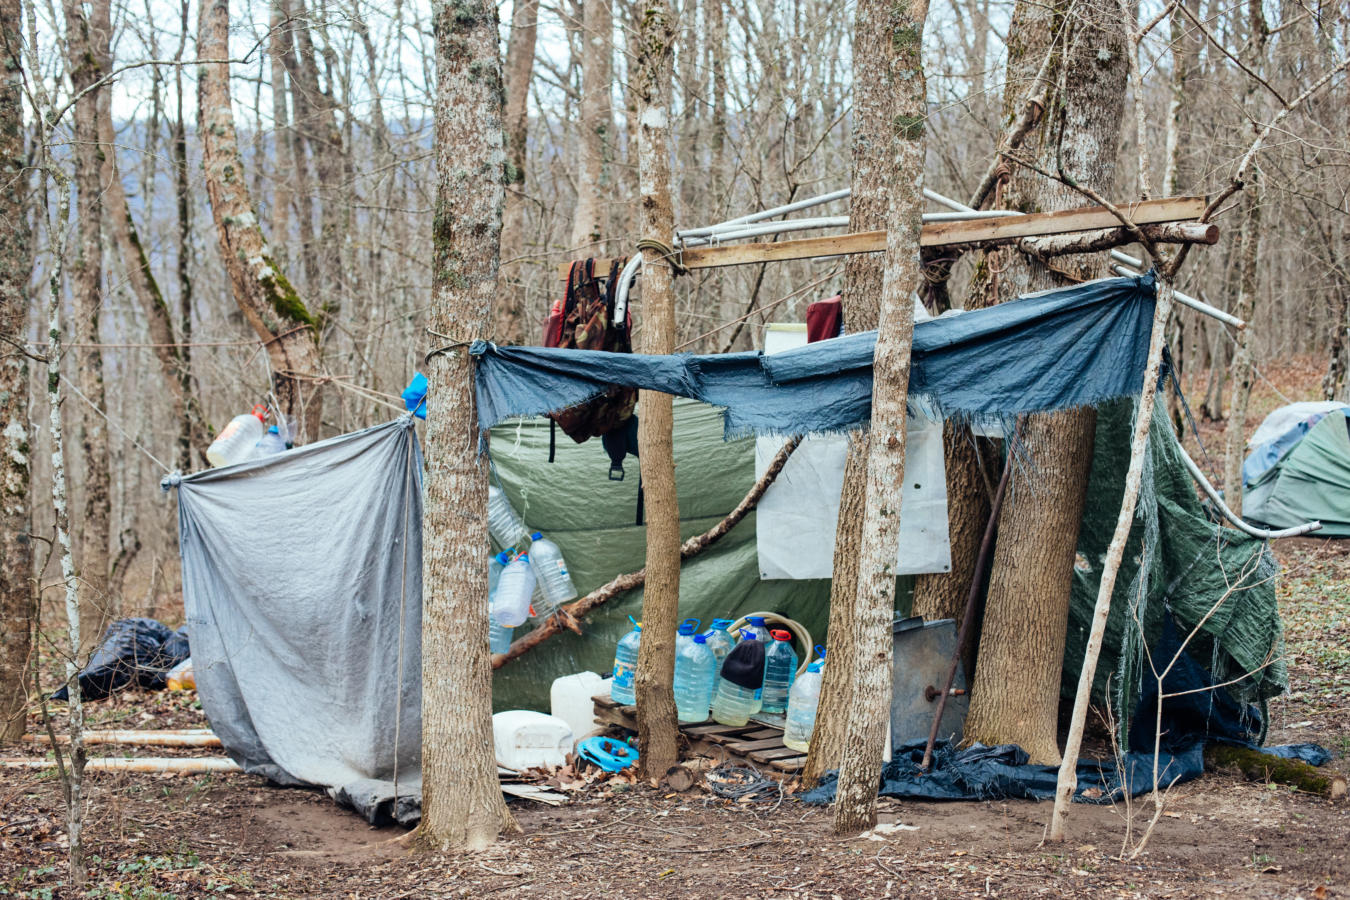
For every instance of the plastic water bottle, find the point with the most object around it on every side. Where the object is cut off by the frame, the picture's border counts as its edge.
(503, 523)
(801, 711)
(625, 667)
(780, 670)
(755, 625)
(512, 599)
(684, 635)
(236, 440)
(270, 443)
(719, 640)
(551, 570)
(734, 705)
(695, 677)
(499, 635)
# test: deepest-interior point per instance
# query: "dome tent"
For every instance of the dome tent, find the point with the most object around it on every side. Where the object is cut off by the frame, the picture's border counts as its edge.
(1310, 481)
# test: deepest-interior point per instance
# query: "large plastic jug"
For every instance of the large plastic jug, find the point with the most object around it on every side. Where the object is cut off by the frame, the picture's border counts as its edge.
(503, 523)
(236, 440)
(525, 739)
(719, 640)
(625, 667)
(499, 637)
(551, 570)
(695, 678)
(735, 701)
(780, 670)
(684, 635)
(801, 711)
(570, 699)
(269, 444)
(514, 587)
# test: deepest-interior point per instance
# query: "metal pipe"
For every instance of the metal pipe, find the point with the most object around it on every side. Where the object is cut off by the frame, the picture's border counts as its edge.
(1234, 518)
(986, 545)
(769, 213)
(969, 215)
(1184, 299)
(740, 232)
(948, 202)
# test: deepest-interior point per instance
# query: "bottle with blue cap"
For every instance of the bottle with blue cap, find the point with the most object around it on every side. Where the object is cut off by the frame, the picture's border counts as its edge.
(514, 588)
(719, 640)
(499, 635)
(625, 666)
(270, 443)
(551, 570)
(684, 635)
(803, 700)
(695, 678)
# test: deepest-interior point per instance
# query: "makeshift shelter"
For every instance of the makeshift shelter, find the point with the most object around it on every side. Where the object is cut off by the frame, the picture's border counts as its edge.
(309, 668)
(1302, 473)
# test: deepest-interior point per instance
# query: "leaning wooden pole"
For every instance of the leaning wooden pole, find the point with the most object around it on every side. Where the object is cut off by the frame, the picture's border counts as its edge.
(1068, 777)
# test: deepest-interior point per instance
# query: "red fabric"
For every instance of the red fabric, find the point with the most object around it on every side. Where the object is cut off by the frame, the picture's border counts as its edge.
(823, 319)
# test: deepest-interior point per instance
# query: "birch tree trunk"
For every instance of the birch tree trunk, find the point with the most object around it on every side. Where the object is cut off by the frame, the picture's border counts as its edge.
(86, 48)
(1235, 438)
(1015, 692)
(868, 208)
(265, 296)
(16, 267)
(462, 805)
(660, 599)
(596, 84)
(901, 69)
(511, 315)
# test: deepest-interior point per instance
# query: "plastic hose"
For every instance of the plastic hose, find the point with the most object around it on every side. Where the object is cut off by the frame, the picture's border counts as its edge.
(800, 635)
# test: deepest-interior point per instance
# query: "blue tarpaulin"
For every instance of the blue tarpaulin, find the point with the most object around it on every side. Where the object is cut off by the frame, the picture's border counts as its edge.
(1061, 349)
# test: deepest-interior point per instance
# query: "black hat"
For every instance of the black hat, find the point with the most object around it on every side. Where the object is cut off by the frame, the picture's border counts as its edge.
(744, 665)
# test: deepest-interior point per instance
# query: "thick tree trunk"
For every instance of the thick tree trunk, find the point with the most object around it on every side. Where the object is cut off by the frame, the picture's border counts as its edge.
(16, 267)
(87, 40)
(587, 219)
(462, 805)
(1235, 438)
(862, 291)
(1015, 694)
(265, 296)
(900, 66)
(511, 315)
(660, 600)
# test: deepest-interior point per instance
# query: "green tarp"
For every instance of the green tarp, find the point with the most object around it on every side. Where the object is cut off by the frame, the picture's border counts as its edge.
(1311, 482)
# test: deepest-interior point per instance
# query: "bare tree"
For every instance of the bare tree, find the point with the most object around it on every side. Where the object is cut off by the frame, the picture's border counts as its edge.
(462, 805)
(596, 85)
(900, 27)
(661, 596)
(519, 72)
(16, 267)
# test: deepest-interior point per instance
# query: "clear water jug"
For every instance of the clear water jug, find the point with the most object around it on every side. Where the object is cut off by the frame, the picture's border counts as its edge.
(780, 670)
(684, 635)
(499, 637)
(551, 570)
(733, 705)
(801, 711)
(512, 598)
(503, 523)
(719, 640)
(237, 440)
(625, 667)
(695, 678)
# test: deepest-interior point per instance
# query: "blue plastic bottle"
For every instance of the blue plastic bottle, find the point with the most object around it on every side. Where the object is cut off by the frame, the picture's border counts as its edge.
(780, 670)
(625, 667)
(695, 677)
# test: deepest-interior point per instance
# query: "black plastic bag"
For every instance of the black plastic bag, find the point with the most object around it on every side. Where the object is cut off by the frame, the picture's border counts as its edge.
(134, 653)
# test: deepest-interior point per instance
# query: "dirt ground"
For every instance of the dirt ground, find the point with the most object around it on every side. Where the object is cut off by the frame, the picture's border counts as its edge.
(152, 837)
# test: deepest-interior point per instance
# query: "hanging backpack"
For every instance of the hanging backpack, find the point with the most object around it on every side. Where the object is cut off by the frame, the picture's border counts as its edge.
(584, 320)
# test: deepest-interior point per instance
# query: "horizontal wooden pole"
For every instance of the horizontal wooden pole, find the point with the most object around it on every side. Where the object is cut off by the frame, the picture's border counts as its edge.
(157, 765)
(993, 231)
(152, 738)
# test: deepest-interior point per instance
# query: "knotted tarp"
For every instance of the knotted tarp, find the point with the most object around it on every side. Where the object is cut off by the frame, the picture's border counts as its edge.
(302, 585)
(1061, 349)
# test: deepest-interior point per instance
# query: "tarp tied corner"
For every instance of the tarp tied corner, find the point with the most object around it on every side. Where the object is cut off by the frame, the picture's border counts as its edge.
(1061, 349)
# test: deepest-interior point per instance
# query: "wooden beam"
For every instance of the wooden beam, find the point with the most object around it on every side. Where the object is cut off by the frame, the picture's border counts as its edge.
(991, 231)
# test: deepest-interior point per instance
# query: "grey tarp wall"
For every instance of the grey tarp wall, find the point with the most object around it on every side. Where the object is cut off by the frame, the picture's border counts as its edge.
(296, 594)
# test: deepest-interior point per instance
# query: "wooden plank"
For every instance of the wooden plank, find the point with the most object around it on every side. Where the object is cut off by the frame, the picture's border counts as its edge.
(795, 764)
(767, 756)
(746, 747)
(715, 728)
(941, 234)
(764, 733)
(728, 737)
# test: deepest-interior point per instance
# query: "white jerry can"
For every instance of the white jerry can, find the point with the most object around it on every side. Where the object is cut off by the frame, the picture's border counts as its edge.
(571, 699)
(525, 739)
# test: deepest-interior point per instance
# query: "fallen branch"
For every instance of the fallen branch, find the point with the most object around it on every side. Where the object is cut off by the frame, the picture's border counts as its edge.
(1257, 766)
(1108, 238)
(569, 616)
(136, 738)
(158, 765)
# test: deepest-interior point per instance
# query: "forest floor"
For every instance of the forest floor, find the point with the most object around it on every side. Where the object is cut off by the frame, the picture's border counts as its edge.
(151, 837)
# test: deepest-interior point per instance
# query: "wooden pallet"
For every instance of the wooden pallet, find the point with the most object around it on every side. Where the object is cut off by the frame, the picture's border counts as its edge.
(759, 741)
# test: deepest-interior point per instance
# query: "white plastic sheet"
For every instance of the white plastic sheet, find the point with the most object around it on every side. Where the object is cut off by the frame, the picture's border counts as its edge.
(796, 518)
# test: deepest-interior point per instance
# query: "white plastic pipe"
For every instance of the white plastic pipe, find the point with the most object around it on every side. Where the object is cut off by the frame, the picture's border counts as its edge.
(1183, 299)
(1234, 518)
(768, 213)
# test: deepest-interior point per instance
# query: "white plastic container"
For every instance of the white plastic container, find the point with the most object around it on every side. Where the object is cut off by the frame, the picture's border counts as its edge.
(525, 739)
(236, 440)
(511, 600)
(503, 522)
(570, 700)
(550, 569)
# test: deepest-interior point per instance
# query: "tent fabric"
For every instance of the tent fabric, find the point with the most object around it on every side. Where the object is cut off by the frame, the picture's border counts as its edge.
(1074, 347)
(1310, 482)
(302, 583)
(1279, 433)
